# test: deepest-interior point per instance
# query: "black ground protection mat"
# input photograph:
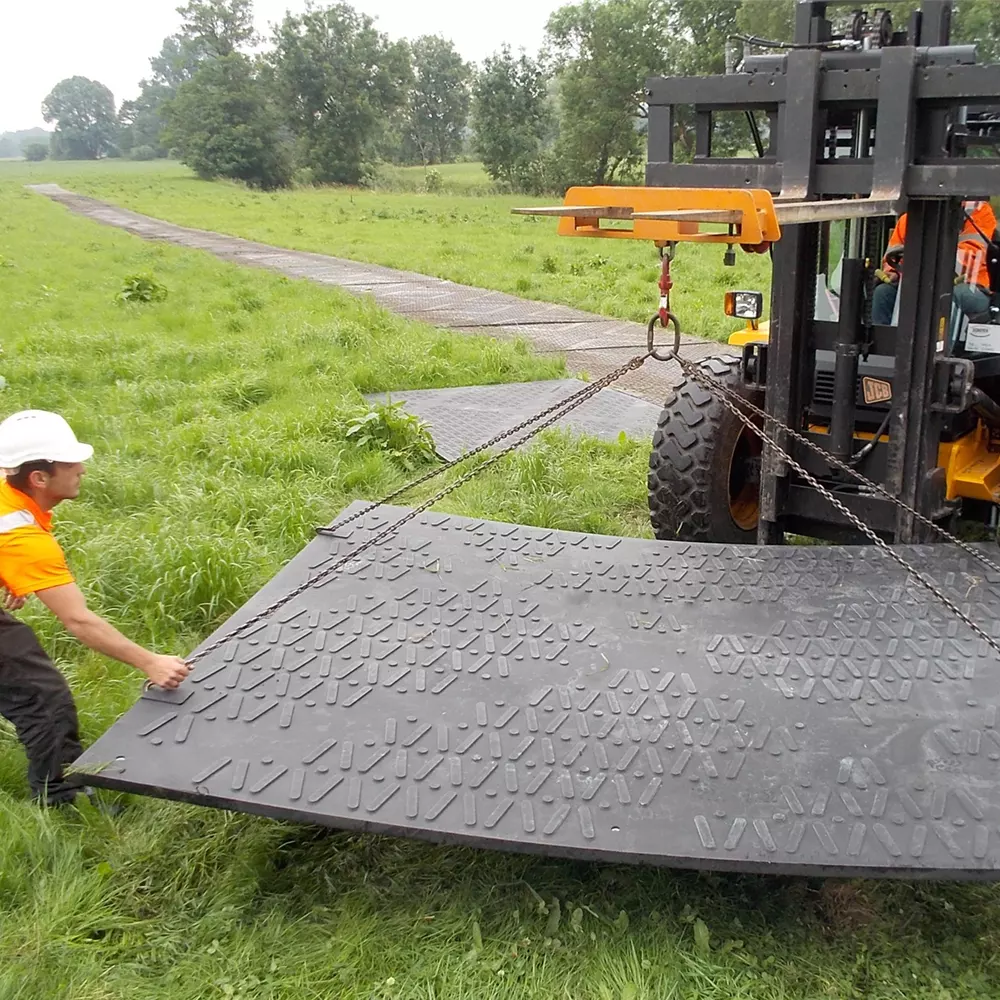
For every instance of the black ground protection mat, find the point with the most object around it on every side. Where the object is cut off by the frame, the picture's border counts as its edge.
(460, 419)
(799, 709)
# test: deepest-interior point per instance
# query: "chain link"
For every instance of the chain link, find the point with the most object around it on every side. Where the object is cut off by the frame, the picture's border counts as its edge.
(548, 416)
(713, 385)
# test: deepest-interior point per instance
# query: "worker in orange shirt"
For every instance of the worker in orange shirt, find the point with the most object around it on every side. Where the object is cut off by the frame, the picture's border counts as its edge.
(972, 281)
(43, 462)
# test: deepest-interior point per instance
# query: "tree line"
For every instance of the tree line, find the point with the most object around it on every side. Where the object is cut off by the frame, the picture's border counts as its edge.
(328, 97)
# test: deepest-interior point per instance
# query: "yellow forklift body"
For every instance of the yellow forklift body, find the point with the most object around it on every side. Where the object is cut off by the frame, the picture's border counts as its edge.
(971, 464)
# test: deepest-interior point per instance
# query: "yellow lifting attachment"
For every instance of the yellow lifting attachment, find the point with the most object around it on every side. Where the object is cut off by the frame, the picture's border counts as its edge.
(752, 217)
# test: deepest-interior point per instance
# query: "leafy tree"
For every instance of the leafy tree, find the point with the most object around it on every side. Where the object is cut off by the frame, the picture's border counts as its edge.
(438, 107)
(177, 61)
(224, 125)
(141, 120)
(220, 27)
(35, 151)
(337, 80)
(211, 28)
(510, 119)
(978, 21)
(84, 113)
(770, 19)
(699, 30)
(604, 53)
(12, 143)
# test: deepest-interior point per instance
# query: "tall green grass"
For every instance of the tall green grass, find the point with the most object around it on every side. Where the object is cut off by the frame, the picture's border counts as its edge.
(461, 234)
(220, 417)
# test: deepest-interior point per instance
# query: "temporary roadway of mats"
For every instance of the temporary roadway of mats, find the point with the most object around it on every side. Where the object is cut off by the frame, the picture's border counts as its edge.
(465, 418)
(593, 344)
(800, 709)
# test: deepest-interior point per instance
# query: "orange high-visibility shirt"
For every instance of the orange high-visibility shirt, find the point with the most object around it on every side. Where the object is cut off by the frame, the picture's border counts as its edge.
(971, 259)
(30, 557)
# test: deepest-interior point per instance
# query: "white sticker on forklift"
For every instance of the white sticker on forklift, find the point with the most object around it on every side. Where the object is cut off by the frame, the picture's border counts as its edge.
(983, 338)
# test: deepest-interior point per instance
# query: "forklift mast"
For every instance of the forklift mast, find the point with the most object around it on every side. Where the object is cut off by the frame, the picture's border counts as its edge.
(878, 115)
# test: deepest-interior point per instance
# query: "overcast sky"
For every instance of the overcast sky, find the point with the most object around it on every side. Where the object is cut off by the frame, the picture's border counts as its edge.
(42, 41)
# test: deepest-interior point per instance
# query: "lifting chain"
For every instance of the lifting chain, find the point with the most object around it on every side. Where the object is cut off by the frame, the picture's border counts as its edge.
(548, 417)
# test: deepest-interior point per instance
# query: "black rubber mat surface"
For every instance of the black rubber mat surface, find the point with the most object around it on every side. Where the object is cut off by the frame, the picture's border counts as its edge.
(792, 709)
(462, 418)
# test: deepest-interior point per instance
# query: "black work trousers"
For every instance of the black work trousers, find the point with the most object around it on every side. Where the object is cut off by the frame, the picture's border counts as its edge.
(35, 697)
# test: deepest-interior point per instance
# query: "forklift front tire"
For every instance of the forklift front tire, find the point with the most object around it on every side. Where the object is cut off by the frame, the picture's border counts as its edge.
(704, 468)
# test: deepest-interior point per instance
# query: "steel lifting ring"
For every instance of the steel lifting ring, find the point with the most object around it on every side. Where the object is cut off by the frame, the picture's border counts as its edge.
(654, 351)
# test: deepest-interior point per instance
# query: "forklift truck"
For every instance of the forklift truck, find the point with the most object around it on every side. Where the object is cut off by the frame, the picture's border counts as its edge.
(855, 122)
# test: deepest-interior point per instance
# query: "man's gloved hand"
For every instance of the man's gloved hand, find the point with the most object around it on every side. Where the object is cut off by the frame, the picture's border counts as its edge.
(887, 276)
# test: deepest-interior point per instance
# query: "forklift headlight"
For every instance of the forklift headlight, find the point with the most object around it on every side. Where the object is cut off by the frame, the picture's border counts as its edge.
(744, 305)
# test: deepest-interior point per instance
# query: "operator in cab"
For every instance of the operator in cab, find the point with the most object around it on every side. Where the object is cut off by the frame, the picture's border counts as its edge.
(41, 464)
(972, 280)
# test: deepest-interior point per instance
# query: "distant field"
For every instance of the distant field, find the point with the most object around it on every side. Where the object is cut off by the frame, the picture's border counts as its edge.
(468, 238)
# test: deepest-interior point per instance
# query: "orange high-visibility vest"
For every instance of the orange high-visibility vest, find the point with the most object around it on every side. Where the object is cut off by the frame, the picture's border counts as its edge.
(30, 557)
(971, 259)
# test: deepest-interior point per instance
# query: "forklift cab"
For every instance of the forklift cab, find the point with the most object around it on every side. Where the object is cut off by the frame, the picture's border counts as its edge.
(982, 340)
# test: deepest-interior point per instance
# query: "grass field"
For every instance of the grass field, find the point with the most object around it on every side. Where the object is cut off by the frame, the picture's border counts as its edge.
(220, 417)
(452, 178)
(461, 234)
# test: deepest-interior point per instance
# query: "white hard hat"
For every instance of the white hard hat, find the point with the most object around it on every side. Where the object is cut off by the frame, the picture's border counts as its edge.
(39, 436)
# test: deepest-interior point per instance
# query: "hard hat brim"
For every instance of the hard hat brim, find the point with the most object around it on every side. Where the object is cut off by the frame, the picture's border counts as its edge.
(73, 453)
(80, 453)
